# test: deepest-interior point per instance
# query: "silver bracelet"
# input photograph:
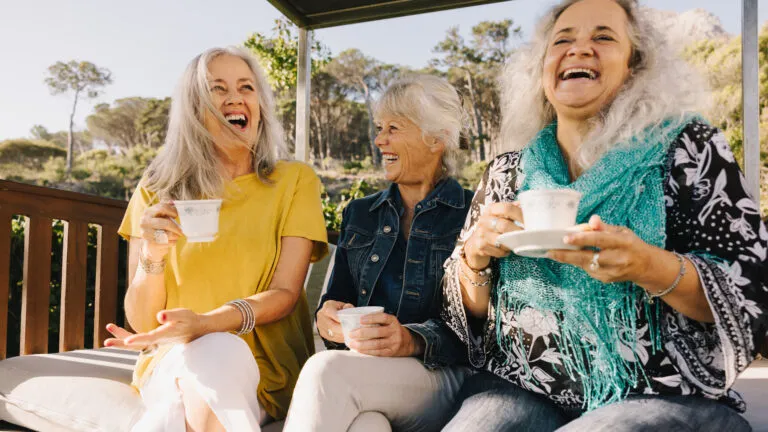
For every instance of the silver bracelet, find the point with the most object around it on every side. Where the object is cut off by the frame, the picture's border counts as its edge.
(246, 311)
(650, 296)
(150, 267)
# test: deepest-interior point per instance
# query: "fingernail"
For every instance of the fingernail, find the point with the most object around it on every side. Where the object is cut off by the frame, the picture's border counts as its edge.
(551, 255)
(567, 239)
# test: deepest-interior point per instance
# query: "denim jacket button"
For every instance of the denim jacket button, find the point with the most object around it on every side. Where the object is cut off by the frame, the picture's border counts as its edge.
(387, 229)
(374, 258)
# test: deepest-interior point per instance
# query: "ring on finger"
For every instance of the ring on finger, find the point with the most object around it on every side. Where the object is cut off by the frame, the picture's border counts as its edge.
(494, 222)
(160, 236)
(330, 332)
(496, 243)
(594, 265)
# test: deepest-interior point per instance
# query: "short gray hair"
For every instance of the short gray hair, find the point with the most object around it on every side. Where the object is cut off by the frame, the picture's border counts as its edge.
(661, 85)
(188, 167)
(433, 104)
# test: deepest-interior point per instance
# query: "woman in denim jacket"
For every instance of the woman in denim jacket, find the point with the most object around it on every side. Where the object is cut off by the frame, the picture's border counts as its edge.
(390, 253)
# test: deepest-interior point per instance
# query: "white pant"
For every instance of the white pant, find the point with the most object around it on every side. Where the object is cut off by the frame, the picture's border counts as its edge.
(345, 391)
(225, 375)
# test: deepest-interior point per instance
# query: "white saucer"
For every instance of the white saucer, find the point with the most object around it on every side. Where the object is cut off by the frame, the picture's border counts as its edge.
(536, 243)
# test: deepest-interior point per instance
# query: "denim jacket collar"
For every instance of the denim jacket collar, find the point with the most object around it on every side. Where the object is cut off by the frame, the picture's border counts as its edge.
(448, 192)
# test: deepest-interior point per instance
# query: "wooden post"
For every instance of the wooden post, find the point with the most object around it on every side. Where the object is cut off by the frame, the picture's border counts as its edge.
(750, 96)
(302, 95)
(36, 291)
(106, 283)
(73, 279)
(5, 277)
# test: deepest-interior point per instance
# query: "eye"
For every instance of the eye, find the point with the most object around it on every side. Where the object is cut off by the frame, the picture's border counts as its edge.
(604, 38)
(247, 87)
(561, 41)
(218, 88)
(378, 128)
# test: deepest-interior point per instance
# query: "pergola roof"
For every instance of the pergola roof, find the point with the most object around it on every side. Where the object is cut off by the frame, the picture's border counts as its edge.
(315, 14)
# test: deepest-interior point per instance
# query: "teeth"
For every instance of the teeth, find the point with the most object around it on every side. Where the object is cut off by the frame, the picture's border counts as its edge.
(235, 117)
(569, 72)
(390, 158)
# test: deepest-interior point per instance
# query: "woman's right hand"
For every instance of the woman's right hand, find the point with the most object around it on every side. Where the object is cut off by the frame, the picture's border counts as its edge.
(328, 324)
(159, 217)
(498, 218)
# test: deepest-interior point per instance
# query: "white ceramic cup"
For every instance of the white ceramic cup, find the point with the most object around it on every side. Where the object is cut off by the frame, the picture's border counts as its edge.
(199, 219)
(350, 318)
(545, 209)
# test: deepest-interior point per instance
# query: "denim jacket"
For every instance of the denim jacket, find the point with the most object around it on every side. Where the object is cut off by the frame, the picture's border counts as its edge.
(370, 229)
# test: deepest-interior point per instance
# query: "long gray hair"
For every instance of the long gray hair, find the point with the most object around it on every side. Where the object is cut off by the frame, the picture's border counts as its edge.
(661, 85)
(189, 167)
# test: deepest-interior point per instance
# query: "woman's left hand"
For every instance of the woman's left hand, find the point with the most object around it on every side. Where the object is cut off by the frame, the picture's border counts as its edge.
(622, 256)
(177, 326)
(388, 339)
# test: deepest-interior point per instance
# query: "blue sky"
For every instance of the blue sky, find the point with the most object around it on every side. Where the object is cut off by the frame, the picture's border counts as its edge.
(147, 43)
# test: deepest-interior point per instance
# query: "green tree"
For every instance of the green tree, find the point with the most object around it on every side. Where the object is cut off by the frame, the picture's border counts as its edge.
(116, 125)
(153, 121)
(40, 132)
(473, 66)
(364, 76)
(279, 54)
(83, 79)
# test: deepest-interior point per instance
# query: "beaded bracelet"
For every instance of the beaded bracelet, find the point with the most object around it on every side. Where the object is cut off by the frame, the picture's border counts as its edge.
(680, 274)
(150, 267)
(249, 318)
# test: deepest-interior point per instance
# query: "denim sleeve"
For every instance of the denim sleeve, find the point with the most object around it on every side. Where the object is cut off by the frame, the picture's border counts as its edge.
(341, 285)
(442, 346)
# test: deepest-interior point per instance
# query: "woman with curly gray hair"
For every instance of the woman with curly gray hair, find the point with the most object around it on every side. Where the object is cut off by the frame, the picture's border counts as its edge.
(643, 318)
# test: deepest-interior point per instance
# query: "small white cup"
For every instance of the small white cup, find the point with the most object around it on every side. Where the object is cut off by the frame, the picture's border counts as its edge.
(199, 219)
(350, 318)
(545, 209)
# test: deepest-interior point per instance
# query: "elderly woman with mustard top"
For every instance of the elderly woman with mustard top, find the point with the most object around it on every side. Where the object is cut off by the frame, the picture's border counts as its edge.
(226, 322)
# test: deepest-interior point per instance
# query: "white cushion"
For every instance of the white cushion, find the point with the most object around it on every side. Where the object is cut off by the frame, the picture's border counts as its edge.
(86, 390)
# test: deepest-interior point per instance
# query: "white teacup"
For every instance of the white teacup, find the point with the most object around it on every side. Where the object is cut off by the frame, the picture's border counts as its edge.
(545, 209)
(199, 219)
(350, 318)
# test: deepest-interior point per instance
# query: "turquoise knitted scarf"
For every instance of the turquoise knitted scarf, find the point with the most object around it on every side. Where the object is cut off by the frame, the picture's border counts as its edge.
(593, 319)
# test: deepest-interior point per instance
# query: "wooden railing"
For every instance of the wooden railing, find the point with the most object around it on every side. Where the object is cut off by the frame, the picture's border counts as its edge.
(41, 206)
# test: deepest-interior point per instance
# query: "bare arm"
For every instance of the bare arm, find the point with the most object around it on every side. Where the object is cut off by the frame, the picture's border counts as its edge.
(146, 294)
(184, 325)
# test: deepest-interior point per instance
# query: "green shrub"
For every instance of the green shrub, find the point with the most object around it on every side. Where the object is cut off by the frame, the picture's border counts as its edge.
(471, 175)
(29, 153)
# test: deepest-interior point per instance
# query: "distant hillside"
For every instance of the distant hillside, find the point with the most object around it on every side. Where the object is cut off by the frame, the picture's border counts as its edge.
(682, 29)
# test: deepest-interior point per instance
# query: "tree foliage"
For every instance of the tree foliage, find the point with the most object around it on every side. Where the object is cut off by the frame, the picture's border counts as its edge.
(83, 79)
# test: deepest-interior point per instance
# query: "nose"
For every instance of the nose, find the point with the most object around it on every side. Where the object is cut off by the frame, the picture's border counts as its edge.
(581, 48)
(381, 139)
(233, 98)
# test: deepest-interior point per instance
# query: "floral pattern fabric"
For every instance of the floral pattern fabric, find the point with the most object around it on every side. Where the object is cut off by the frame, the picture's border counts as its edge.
(712, 220)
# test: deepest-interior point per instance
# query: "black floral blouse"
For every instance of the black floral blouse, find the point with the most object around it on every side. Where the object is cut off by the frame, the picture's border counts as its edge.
(713, 221)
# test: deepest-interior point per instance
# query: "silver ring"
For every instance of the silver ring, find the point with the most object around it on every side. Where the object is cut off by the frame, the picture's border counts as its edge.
(160, 236)
(330, 333)
(595, 264)
(494, 221)
(496, 244)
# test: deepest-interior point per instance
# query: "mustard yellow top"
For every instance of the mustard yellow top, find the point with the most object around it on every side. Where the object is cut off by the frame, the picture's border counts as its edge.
(240, 263)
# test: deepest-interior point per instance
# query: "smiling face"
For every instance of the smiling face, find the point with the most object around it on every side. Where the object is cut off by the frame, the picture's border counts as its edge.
(232, 88)
(587, 59)
(408, 157)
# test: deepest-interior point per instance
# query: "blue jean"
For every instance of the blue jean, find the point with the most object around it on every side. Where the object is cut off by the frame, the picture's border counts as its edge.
(489, 403)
